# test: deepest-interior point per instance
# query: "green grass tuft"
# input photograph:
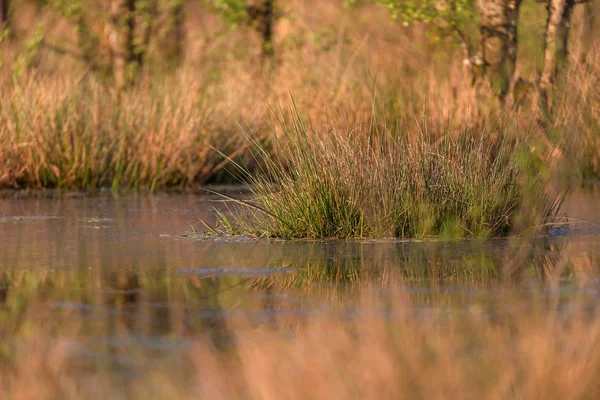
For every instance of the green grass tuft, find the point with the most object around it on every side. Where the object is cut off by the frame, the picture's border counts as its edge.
(374, 181)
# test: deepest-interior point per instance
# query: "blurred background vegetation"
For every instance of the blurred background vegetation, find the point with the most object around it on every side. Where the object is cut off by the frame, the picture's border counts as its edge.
(139, 93)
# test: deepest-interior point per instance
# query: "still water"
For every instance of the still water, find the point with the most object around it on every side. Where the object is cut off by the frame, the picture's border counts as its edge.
(132, 272)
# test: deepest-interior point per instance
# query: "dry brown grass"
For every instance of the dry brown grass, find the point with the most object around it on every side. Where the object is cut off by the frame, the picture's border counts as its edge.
(62, 125)
(57, 133)
(577, 121)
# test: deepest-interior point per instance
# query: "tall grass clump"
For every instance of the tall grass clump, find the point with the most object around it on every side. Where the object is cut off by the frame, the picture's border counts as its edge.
(576, 123)
(60, 134)
(375, 181)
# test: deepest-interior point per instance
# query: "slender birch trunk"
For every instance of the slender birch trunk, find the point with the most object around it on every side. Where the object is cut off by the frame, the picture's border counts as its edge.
(121, 35)
(266, 29)
(144, 17)
(512, 21)
(88, 43)
(555, 47)
(499, 42)
(4, 6)
(174, 33)
(586, 31)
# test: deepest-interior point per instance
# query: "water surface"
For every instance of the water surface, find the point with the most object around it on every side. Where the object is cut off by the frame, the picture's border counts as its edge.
(131, 272)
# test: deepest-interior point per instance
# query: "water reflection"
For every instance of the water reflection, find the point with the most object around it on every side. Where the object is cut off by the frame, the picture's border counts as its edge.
(120, 274)
(160, 298)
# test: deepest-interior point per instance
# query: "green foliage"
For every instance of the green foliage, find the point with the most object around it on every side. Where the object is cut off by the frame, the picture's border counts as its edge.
(30, 52)
(3, 37)
(447, 17)
(68, 8)
(144, 15)
(351, 3)
(325, 38)
(234, 12)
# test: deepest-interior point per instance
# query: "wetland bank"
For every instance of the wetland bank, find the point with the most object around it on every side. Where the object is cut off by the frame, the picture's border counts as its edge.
(418, 218)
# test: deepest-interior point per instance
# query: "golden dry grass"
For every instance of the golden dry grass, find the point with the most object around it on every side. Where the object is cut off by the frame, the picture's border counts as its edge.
(62, 124)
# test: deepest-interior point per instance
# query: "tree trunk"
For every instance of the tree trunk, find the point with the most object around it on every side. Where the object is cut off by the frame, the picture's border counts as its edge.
(174, 34)
(266, 29)
(121, 41)
(144, 17)
(586, 31)
(555, 47)
(498, 47)
(87, 42)
(512, 20)
(4, 5)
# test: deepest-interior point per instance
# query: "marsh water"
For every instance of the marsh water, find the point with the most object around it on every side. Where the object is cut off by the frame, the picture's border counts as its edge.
(133, 273)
